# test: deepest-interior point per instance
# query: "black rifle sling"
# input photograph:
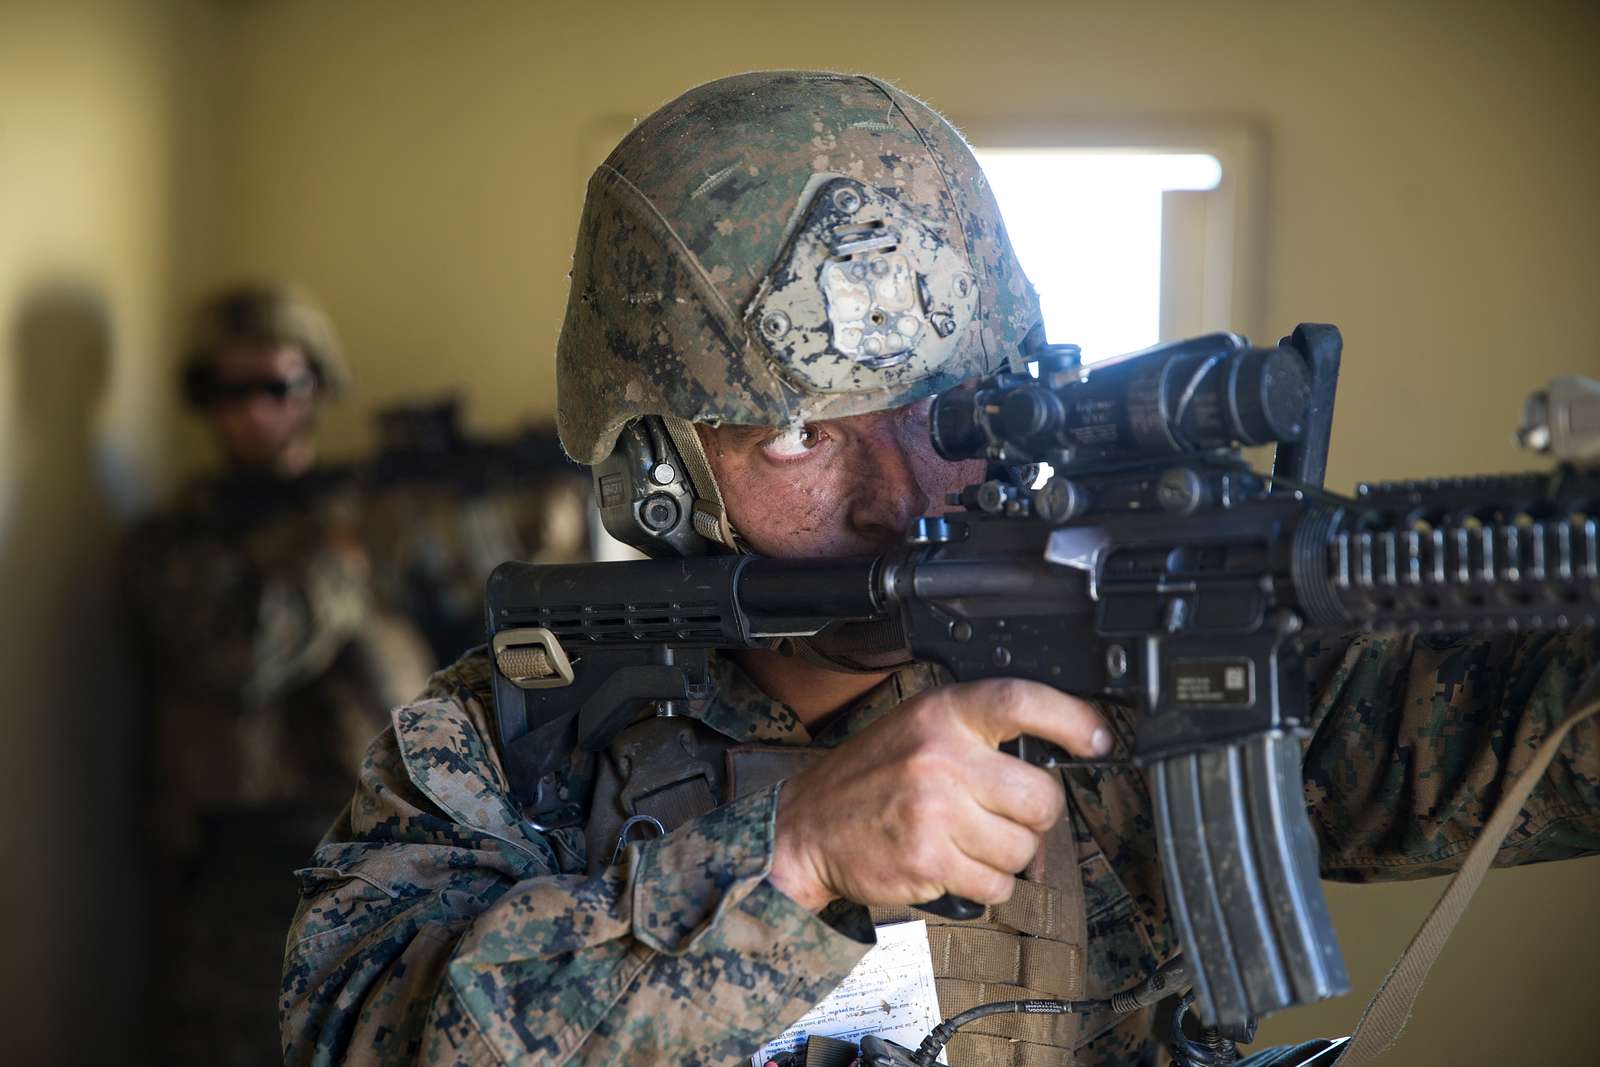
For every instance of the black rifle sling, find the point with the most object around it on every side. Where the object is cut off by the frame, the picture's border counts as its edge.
(662, 771)
(668, 770)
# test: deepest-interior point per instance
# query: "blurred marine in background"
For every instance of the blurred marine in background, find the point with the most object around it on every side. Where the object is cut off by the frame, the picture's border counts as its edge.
(284, 606)
(269, 665)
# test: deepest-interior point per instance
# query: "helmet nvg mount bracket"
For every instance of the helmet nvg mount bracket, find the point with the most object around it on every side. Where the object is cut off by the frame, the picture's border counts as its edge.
(862, 288)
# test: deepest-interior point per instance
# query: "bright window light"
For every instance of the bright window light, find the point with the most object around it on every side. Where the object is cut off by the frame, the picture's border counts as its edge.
(1086, 224)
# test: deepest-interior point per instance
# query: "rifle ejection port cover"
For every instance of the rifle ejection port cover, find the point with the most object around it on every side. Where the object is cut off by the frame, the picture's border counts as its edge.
(865, 295)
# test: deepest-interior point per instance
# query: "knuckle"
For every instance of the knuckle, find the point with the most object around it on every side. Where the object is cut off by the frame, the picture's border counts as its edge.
(919, 758)
(921, 803)
(923, 858)
(1010, 693)
(1040, 809)
(995, 887)
(925, 720)
(1051, 799)
(914, 806)
(929, 770)
(1021, 850)
(1034, 797)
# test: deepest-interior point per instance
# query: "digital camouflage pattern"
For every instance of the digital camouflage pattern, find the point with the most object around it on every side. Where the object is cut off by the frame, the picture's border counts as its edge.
(437, 926)
(270, 669)
(250, 595)
(686, 224)
(282, 619)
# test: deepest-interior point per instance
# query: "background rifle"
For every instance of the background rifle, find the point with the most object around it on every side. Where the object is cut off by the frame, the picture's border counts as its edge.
(444, 508)
(1120, 548)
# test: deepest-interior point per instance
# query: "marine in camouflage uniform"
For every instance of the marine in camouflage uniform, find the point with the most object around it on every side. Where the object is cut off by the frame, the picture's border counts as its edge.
(270, 670)
(440, 925)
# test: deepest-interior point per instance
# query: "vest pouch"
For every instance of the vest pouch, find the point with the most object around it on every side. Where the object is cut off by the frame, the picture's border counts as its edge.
(1031, 946)
(668, 768)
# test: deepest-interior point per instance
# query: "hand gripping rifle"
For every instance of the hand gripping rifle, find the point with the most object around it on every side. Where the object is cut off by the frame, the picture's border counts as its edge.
(1120, 548)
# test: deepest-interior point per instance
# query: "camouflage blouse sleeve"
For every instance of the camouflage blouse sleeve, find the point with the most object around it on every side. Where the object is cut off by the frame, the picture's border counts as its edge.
(437, 927)
(1417, 738)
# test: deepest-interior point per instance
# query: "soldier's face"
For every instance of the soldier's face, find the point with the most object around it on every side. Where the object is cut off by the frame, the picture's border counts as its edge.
(837, 487)
(263, 405)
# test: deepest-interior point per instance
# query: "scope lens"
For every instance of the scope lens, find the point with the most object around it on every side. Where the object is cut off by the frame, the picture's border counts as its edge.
(953, 425)
(1204, 393)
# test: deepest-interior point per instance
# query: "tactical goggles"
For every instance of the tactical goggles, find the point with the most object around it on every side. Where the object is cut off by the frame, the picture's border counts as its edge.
(239, 390)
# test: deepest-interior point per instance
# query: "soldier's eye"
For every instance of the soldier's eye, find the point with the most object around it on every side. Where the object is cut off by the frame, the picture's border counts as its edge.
(792, 441)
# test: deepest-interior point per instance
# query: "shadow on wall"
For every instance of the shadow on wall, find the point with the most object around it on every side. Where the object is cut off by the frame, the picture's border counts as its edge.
(70, 739)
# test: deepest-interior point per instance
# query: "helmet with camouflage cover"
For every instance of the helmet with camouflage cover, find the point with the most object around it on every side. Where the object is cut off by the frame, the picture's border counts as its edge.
(262, 315)
(773, 248)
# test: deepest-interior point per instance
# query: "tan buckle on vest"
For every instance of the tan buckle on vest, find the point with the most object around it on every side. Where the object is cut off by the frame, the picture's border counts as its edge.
(531, 658)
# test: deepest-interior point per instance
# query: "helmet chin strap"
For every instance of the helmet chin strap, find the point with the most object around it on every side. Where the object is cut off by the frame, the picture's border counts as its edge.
(710, 514)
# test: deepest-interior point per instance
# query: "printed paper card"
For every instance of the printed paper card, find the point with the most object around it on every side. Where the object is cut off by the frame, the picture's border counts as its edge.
(890, 993)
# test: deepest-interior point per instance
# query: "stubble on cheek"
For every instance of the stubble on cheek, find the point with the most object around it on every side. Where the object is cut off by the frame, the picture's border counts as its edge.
(785, 519)
(957, 476)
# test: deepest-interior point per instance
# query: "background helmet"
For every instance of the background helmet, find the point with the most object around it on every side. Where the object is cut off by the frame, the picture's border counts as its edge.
(262, 315)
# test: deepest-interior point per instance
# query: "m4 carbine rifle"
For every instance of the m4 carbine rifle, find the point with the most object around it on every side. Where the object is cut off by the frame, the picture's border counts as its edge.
(1121, 548)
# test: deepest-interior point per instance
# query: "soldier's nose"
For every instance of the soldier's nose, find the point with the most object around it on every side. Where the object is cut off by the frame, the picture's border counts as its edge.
(263, 412)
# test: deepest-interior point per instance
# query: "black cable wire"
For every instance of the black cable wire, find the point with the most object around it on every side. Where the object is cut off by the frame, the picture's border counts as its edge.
(1212, 1050)
(1173, 975)
(935, 1042)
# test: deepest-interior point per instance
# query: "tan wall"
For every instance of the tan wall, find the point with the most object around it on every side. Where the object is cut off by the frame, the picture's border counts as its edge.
(92, 140)
(1429, 187)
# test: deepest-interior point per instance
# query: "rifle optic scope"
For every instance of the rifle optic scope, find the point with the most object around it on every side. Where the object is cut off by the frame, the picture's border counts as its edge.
(1188, 396)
